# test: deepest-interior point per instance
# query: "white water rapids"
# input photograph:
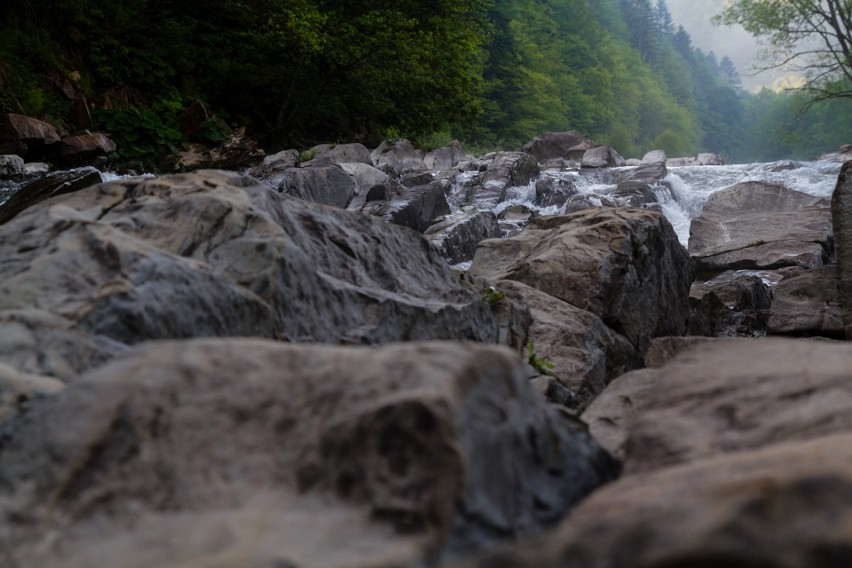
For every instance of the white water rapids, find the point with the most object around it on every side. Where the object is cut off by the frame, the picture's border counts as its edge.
(691, 186)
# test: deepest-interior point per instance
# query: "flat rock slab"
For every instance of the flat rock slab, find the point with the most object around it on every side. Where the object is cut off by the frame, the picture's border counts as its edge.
(244, 452)
(727, 396)
(756, 225)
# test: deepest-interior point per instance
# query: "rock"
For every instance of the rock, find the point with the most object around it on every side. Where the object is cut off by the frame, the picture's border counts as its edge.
(751, 393)
(398, 158)
(553, 192)
(760, 226)
(328, 184)
(416, 207)
(214, 253)
(11, 166)
(253, 453)
(569, 145)
(841, 215)
(18, 391)
(84, 147)
(58, 183)
(807, 305)
(507, 169)
(25, 136)
(338, 154)
(681, 162)
(586, 354)
(664, 349)
(709, 159)
(457, 236)
(238, 151)
(624, 265)
(582, 202)
(558, 165)
(782, 506)
(365, 177)
(637, 193)
(280, 160)
(514, 219)
(842, 155)
(655, 157)
(36, 168)
(417, 178)
(633, 162)
(447, 158)
(735, 303)
(602, 157)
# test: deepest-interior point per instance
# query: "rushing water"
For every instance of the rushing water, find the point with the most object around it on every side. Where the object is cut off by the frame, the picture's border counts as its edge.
(691, 186)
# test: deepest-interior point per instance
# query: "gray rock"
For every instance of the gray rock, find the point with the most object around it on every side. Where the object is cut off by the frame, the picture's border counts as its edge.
(505, 170)
(655, 157)
(447, 158)
(760, 226)
(415, 207)
(569, 145)
(624, 265)
(553, 192)
(215, 253)
(735, 303)
(398, 158)
(35, 168)
(328, 184)
(807, 304)
(709, 159)
(602, 157)
(841, 215)
(514, 219)
(247, 452)
(11, 166)
(283, 159)
(366, 177)
(338, 154)
(58, 183)
(457, 237)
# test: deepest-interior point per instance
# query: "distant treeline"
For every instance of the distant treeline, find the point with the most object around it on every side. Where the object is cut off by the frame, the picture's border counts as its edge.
(493, 73)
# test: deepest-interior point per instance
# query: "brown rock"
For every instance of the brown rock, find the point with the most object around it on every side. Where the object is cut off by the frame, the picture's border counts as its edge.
(569, 145)
(25, 136)
(626, 266)
(83, 147)
(250, 453)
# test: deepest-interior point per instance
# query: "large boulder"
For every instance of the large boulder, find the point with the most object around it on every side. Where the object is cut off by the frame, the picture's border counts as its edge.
(58, 183)
(735, 395)
(11, 166)
(457, 236)
(25, 136)
(366, 177)
(586, 354)
(569, 145)
(338, 154)
(84, 147)
(447, 157)
(415, 207)
(786, 506)
(626, 266)
(760, 226)
(841, 216)
(327, 183)
(602, 157)
(215, 253)
(398, 158)
(655, 157)
(735, 303)
(251, 453)
(806, 304)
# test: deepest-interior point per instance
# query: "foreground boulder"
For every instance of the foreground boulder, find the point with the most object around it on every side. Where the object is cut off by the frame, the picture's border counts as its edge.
(751, 393)
(841, 215)
(626, 266)
(215, 253)
(762, 226)
(252, 453)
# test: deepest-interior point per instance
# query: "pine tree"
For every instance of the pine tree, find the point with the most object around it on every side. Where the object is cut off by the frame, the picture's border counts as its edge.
(729, 73)
(663, 19)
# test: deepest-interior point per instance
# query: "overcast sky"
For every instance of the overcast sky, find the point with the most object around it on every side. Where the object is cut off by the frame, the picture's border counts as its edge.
(735, 42)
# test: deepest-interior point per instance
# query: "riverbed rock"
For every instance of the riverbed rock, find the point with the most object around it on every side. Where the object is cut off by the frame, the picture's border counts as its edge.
(624, 265)
(735, 303)
(11, 166)
(841, 215)
(761, 226)
(25, 136)
(215, 253)
(58, 183)
(338, 154)
(327, 184)
(655, 157)
(553, 192)
(807, 305)
(398, 158)
(585, 353)
(253, 453)
(447, 157)
(457, 236)
(236, 152)
(415, 207)
(84, 147)
(502, 171)
(365, 177)
(514, 219)
(569, 146)
(602, 157)
(787, 505)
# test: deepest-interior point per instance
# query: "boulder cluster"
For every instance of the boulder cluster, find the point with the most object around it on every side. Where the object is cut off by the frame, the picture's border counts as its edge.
(279, 367)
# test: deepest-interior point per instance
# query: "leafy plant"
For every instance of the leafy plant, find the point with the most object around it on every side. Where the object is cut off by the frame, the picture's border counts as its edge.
(540, 364)
(492, 295)
(306, 156)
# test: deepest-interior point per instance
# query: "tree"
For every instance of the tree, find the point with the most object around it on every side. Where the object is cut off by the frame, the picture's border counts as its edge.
(663, 19)
(810, 37)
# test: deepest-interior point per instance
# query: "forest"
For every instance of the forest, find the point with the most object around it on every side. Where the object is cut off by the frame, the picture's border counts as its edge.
(491, 73)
